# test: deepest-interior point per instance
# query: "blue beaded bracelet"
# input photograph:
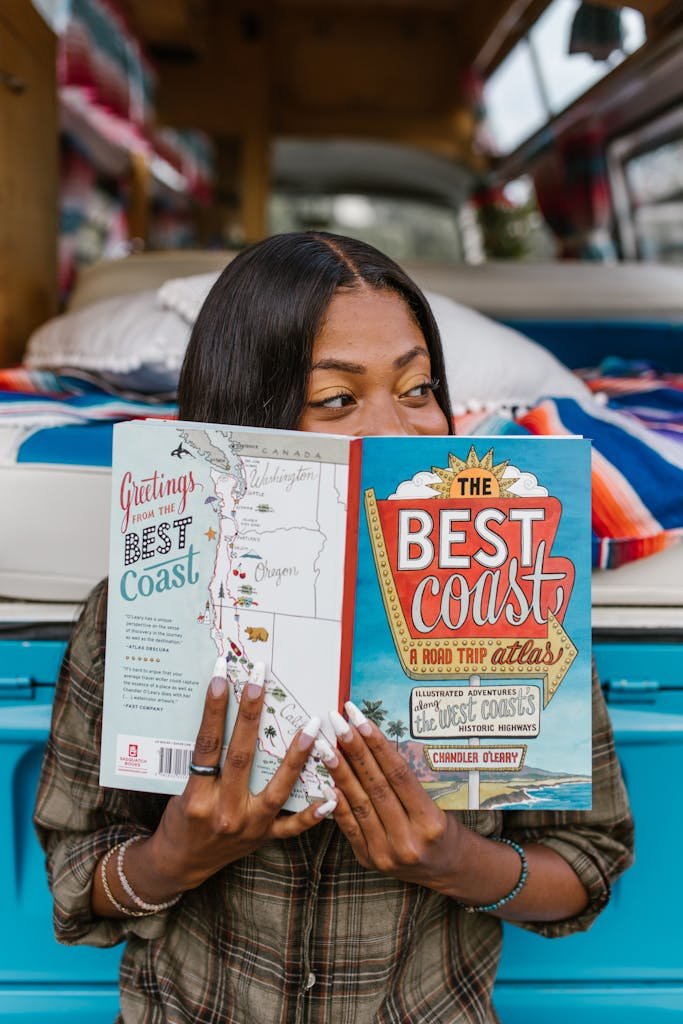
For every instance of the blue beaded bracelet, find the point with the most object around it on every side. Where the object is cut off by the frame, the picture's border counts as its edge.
(486, 909)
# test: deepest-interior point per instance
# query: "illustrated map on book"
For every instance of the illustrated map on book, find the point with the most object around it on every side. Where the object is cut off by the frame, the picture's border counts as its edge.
(442, 582)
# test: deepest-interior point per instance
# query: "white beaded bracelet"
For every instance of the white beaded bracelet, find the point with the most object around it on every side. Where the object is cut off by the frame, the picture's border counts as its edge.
(147, 908)
(126, 911)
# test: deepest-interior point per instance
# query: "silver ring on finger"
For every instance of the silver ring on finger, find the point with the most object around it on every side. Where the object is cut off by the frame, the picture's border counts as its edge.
(204, 769)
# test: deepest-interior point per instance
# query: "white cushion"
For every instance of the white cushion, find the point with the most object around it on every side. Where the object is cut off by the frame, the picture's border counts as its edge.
(131, 341)
(565, 290)
(185, 295)
(142, 272)
(490, 365)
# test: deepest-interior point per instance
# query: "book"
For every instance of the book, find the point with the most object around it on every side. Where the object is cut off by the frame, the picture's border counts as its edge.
(443, 583)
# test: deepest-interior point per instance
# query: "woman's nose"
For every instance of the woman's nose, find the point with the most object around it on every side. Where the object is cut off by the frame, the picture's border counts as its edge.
(383, 417)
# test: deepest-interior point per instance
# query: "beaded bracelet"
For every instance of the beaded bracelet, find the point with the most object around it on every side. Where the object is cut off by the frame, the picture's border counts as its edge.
(488, 907)
(146, 908)
(126, 911)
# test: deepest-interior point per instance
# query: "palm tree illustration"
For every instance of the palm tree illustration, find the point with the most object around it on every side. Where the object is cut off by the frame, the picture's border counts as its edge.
(373, 710)
(270, 732)
(397, 730)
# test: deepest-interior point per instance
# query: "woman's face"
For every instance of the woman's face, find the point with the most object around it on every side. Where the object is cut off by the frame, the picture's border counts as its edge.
(371, 371)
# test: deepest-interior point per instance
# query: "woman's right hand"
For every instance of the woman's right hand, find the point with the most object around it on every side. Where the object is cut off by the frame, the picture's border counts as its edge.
(217, 820)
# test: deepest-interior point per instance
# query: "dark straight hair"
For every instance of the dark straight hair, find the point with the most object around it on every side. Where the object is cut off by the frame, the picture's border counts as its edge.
(249, 355)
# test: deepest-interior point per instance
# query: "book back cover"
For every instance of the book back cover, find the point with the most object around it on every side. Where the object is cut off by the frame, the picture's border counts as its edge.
(224, 542)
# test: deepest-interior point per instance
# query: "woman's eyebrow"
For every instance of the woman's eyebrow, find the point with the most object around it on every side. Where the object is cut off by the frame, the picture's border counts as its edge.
(338, 364)
(344, 367)
(407, 357)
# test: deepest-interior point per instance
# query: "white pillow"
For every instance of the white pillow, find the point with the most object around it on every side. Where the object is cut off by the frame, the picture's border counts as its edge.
(141, 272)
(489, 365)
(185, 295)
(130, 341)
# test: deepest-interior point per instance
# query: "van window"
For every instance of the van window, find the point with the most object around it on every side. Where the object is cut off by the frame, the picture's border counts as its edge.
(646, 174)
(555, 62)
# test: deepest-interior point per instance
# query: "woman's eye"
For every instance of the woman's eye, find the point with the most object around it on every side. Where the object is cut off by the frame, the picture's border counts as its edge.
(339, 401)
(421, 390)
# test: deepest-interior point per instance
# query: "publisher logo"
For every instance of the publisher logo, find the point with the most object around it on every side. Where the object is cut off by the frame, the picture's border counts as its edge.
(132, 750)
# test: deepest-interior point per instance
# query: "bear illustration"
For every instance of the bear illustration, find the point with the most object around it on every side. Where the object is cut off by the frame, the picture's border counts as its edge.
(257, 633)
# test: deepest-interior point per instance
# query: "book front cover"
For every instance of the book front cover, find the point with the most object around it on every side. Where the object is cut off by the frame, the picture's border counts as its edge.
(471, 645)
(224, 542)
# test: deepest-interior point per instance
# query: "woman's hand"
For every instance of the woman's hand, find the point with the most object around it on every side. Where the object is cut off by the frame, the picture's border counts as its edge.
(217, 820)
(395, 827)
(383, 810)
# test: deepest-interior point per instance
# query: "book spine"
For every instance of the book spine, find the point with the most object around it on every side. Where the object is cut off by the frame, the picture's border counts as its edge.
(350, 568)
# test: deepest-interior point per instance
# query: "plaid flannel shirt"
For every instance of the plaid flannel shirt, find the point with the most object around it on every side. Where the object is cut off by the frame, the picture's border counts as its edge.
(300, 931)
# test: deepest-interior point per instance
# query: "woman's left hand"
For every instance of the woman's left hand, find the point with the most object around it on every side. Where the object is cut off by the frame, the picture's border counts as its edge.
(391, 823)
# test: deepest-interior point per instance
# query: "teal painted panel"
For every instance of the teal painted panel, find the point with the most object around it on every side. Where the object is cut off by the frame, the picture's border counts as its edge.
(58, 1004)
(592, 1004)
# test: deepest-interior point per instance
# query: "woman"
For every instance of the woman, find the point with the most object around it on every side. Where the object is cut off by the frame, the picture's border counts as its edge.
(234, 912)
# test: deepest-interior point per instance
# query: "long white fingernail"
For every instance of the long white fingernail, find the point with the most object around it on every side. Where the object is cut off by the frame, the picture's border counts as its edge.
(325, 752)
(220, 669)
(325, 809)
(309, 732)
(340, 725)
(256, 680)
(219, 678)
(358, 718)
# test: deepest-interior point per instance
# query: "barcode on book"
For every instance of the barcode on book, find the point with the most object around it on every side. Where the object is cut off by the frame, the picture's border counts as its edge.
(174, 762)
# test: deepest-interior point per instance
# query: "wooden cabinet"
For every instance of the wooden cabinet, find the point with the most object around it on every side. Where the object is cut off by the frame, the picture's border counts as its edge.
(28, 176)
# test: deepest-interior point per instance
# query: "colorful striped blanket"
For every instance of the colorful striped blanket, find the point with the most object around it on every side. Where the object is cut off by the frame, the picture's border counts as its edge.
(39, 398)
(637, 473)
(636, 426)
(46, 417)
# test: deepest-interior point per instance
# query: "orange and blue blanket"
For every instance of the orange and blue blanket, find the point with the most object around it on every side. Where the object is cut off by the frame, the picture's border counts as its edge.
(635, 423)
(52, 418)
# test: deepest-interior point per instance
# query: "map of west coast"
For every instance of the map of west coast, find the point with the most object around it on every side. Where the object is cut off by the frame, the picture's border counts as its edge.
(275, 593)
